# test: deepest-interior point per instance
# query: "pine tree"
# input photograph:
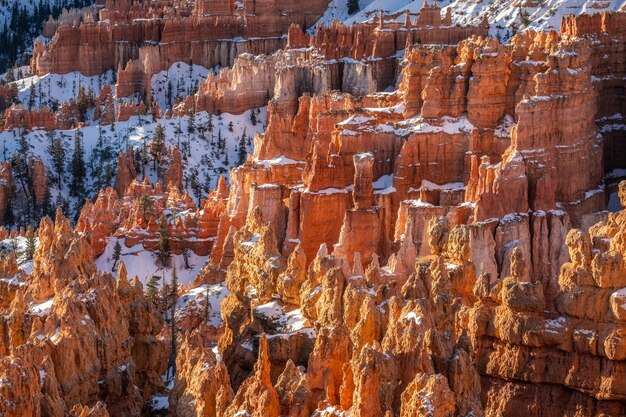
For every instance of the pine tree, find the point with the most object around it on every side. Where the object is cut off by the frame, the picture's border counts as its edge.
(253, 117)
(9, 76)
(174, 286)
(23, 142)
(184, 250)
(353, 6)
(20, 168)
(174, 296)
(242, 153)
(145, 207)
(117, 252)
(163, 250)
(152, 288)
(207, 310)
(144, 157)
(191, 124)
(157, 144)
(31, 97)
(57, 154)
(230, 127)
(30, 242)
(168, 93)
(78, 166)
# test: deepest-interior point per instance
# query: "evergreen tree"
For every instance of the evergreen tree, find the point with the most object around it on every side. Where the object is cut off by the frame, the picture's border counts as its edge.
(78, 167)
(168, 94)
(20, 168)
(183, 249)
(163, 250)
(230, 127)
(117, 252)
(242, 153)
(191, 124)
(23, 142)
(57, 155)
(157, 144)
(353, 6)
(196, 186)
(144, 157)
(253, 117)
(30, 242)
(31, 97)
(174, 286)
(152, 288)
(9, 75)
(145, 207)
(207, 308)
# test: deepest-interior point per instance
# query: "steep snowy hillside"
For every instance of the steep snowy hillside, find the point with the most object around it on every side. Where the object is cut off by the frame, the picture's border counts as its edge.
(52, 90)
(209, 144)
(505, 16)
(179, 81)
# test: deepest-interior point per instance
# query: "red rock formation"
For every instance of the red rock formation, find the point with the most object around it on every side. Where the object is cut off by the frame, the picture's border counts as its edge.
(6, 187)
(381, 38)
(173, 175)
(125, 172)
(201, 385)
(37, 173)
(58, 319)
(455, 285)
(154, 37)
(125, 217)
(18, 117)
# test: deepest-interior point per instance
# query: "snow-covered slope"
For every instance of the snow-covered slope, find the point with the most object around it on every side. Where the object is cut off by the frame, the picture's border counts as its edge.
(505, 16)
(207, 152)
(52, 90)
(143, 263)
(179, 81)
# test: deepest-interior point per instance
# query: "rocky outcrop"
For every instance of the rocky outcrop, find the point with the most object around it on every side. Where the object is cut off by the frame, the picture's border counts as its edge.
(125, 173)
(571, 330)
(401, 253)
(6, 187)
(17, 117)
(37, 173)
(57, 323)
(142, 41)
(202, 387)
(257, 396)
(136, 215)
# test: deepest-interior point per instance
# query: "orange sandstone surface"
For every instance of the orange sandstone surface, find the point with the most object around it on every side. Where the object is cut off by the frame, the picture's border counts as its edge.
(437, 250)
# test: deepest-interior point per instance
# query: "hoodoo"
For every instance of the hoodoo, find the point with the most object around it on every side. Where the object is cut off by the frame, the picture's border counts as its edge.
(274, 208)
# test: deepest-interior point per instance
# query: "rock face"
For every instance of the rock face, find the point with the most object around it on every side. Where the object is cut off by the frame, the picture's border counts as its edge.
(125, 171)
(6, 187)
(486, 303)
(577, 330)
(136, 220)
(37, 174)
(142, 41)
(18, 117)
(202, 387)
(55, 324)
(436, 250)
